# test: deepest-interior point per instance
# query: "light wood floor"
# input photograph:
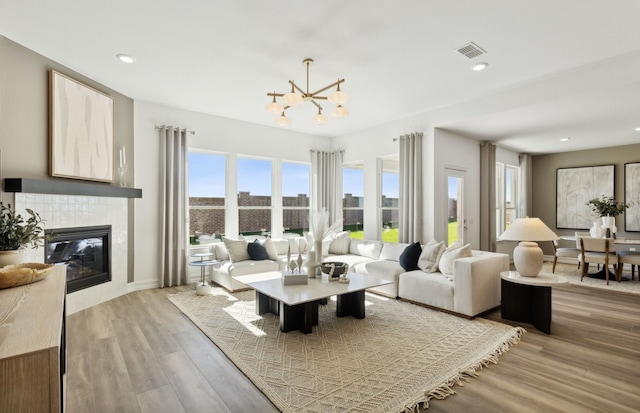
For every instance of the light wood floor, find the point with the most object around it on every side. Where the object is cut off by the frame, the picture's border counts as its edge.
(138, 353)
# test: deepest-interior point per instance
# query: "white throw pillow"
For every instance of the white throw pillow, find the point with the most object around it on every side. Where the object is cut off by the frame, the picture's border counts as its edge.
(431, 254)
(237, 249)
(451, 254)
(340, 244)
(221, 252)
(270, 248)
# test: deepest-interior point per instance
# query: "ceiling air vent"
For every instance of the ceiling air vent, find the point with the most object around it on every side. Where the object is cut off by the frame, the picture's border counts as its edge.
(471, 50)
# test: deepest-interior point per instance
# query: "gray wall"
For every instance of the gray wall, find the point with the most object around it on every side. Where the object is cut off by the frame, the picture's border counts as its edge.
(544, 182)
(24, 127)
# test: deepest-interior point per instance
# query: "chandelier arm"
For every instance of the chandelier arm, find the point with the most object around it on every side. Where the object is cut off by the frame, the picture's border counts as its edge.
(278, 95)
(327, 87)
(297, 88)
(316, 103)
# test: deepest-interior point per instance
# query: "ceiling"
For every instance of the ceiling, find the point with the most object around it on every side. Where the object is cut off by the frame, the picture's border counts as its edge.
(556, 69)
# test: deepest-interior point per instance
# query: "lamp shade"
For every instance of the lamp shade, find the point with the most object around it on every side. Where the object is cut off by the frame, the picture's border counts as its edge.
(340, 112)
(282, 120)
(528, 229)
(527, 256)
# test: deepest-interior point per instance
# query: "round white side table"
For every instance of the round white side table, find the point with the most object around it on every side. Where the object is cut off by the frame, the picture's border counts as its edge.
(203, 287)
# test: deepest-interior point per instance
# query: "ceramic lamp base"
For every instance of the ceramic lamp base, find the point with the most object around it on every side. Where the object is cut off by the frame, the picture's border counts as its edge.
(528, 258)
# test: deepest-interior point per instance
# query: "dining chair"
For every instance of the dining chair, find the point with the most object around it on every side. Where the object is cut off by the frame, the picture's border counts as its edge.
(629, 257)
(563, 252)
(599, 251)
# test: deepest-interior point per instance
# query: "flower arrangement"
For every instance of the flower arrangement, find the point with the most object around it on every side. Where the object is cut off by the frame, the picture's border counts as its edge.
(607, 206)
(319, 227)
(15, 232)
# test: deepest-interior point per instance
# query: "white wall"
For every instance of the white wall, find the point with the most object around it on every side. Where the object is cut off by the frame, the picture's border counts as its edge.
(211, 133)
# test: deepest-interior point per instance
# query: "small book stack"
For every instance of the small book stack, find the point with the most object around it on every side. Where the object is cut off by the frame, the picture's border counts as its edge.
(292, 278)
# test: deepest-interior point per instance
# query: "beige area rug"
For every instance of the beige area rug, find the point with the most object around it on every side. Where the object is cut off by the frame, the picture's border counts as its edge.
(396, 359)
(572, 272)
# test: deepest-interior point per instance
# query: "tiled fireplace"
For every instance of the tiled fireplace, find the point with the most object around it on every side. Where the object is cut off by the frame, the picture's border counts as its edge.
(69, 211)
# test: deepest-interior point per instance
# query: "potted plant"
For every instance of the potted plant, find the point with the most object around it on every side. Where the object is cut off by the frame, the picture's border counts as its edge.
(16, 234)
(607, 208)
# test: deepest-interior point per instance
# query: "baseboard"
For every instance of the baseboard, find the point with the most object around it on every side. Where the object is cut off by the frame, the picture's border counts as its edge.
(142, 285)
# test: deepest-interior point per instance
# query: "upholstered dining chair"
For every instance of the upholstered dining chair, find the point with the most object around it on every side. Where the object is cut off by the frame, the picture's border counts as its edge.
(629, 257)
(599, 251)
(563, 252)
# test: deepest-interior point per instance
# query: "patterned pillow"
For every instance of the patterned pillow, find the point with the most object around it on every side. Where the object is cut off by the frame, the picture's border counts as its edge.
(431, 254)
(237, 249)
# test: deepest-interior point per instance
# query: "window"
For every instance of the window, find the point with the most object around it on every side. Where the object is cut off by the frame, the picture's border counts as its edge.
(389, 200)
(254, 196)
(207, 180)
(353, 199)
(295, 197)
(507, 193)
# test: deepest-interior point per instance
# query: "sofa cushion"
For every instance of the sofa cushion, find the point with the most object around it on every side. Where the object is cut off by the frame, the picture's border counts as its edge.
(257, 251)
(427, 288)
(340, 244)
(450, 255)
(247, 267)
(409, 257)
(281, 246)
(352, 260)
(387, 269)
(370, 249)
(221, 252)
(270, 248)
(391, 250)
(431, 254)
(237, 249)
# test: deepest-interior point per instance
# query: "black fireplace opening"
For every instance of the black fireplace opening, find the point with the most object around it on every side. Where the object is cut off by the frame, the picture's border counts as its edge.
(85, 250)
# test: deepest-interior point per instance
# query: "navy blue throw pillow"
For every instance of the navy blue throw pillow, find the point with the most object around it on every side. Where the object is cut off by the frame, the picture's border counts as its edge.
(257, 251)
(409, 257)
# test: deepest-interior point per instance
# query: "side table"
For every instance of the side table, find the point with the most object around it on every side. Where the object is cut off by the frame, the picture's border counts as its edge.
(203, 287)
(528, 299)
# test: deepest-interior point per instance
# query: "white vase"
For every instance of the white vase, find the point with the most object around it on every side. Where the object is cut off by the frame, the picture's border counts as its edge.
(13, 257)
(596, 230)
(317, 247)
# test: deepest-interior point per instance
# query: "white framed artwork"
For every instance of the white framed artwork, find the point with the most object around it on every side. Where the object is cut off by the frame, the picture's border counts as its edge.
(81, 130)
(632, 196)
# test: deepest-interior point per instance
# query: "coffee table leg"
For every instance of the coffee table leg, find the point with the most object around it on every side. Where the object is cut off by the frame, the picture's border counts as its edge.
(266, 304)
(351, 304)
(298, 317)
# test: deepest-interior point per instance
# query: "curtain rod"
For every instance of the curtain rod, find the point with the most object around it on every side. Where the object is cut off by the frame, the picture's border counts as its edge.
(318, 150)
(185, 129)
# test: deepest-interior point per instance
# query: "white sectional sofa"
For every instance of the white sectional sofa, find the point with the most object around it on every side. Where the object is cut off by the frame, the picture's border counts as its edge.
(471, 289)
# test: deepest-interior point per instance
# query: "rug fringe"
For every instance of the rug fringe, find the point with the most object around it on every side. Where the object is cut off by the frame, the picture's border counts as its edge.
(446, 389)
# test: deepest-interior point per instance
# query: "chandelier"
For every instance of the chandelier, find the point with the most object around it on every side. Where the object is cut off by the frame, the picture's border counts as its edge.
(297, 96)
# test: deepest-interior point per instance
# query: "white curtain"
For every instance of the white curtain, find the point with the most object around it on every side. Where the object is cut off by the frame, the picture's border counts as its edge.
(326, 183)
(410, 196)
(525, 206)
(174, 205)
(487, 196)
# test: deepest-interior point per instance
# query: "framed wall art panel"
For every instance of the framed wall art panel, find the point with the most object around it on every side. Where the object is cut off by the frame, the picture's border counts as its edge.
(632, 196)
(577, 186)
(81, 130)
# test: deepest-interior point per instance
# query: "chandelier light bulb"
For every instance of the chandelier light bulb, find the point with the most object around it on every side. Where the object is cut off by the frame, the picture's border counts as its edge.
(338, 97)
(292, 98)
(282, 120)
(320, 118)
(340, 112)
(274, 107)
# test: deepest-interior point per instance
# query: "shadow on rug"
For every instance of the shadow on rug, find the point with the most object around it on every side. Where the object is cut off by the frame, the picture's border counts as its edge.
(396, 359)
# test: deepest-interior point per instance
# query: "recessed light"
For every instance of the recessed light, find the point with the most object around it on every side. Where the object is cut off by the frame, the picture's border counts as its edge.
(564, 139)
(638, 129)
(125, 58)
(479, 66)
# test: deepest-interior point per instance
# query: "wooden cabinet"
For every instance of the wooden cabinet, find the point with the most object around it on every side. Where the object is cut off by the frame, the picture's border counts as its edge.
(32, 345)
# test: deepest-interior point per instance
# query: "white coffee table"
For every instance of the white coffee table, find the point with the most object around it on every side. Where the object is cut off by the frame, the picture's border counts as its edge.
(528, 299)
(297, 305)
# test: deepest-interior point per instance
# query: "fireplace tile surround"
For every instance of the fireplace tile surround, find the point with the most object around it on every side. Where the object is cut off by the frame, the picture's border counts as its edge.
(66, 211)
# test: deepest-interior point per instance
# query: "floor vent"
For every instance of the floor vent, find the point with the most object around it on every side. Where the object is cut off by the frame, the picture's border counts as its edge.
(471, 50)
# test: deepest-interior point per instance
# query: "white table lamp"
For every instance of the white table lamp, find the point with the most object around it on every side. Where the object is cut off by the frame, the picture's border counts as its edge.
(527, 256)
